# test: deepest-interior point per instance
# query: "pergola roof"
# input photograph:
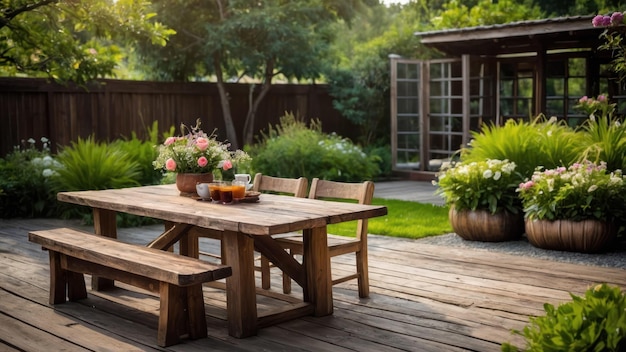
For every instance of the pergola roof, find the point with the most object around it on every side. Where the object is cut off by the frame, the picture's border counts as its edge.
(516, 37)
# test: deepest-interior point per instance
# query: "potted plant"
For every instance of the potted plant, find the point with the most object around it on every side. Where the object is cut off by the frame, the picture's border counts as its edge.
(483, 203)
(574, 208)
(593, 322)
(194, 156)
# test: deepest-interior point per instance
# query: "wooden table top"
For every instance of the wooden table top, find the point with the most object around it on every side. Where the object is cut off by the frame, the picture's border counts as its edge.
(272, 214)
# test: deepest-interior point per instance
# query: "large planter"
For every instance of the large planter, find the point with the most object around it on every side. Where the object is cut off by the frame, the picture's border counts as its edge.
(481, 225)
(587, 236)
(186, 183)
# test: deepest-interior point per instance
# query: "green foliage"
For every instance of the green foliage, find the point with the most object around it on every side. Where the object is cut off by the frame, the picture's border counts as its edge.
(604, 136)
(71, 40)
(292, 149)
(595, 322)
(546, 143)
(488, 185)
(485, 12)
(404, 219)
(143, 153)
(24, 181)
(579, 192)
(89, 165)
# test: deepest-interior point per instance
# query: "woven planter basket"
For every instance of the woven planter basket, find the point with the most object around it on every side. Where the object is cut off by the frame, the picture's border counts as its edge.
(481, 225)
(587, 236)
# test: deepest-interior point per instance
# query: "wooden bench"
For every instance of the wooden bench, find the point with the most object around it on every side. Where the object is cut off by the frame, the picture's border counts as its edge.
(177, 279)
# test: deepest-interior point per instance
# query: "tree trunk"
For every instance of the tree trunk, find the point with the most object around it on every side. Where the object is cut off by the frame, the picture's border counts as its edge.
(248, 127)
(231, 134)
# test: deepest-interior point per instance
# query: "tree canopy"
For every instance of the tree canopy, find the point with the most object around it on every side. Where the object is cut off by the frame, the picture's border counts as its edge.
(72, 40)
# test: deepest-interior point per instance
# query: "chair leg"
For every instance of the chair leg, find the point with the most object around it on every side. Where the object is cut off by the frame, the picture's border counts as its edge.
(265, 273)
(363, 278)
(287, 279)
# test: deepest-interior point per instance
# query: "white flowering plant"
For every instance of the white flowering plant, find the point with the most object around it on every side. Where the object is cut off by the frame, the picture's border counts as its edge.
(583, 191)
(196, 152)
(481, 185)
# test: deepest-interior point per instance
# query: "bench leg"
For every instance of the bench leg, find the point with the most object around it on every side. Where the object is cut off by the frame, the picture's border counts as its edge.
(181, 312)
(64, 282)
(170, 314)
(58, 280)
(195, 312)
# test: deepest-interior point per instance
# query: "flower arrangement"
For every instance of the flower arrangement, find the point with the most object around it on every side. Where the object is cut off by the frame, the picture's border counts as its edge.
(196, 152)
(582, 191)
(487, 185)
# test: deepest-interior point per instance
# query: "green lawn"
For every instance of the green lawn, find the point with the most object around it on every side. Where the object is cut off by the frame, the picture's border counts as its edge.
(404, 219)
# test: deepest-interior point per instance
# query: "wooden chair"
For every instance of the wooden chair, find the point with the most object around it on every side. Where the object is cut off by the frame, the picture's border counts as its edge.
(339, 245)
(296, 187)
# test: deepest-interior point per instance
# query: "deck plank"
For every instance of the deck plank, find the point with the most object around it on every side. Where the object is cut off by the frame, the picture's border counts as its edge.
(424, 297)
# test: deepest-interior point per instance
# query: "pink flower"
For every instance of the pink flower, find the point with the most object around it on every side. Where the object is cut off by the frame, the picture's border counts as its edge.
(170, 140)
(601, 98)
(202, 143)
(617, 18)
(601, 21)
(202, 161)
(526, 185)
(227, 165)
(170, 164)
(583, 100)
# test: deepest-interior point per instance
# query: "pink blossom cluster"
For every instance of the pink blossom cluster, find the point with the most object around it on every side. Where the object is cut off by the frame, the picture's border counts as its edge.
(615, 19)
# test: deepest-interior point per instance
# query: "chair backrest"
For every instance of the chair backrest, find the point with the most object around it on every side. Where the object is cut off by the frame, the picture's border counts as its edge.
(293, 186)
(361, 192)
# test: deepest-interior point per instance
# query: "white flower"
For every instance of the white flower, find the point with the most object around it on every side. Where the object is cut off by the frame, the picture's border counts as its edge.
(497, 175)
(488, 173)
(592, 188)
(48, 172)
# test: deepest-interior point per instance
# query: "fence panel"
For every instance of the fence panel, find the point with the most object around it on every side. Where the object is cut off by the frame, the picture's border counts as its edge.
(35, 108)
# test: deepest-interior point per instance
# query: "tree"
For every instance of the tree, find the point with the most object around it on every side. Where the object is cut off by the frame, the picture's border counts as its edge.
(228, 40)
(71, 40)
(485, 12)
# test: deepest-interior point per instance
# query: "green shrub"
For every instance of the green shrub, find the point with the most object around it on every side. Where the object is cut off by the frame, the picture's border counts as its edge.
(292, 149)
(605, 140)
(24, 181)
(546, 143)
(142, 152)
(89, 165)
(595, 322)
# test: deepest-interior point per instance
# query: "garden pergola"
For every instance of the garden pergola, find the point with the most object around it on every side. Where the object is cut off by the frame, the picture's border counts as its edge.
(489, 74)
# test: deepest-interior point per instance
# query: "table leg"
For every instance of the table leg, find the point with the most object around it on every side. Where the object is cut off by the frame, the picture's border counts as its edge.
(104, 224)
(317, 265)
(238, 252)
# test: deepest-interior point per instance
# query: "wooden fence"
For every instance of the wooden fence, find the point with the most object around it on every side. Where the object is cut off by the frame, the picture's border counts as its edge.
(35, 108)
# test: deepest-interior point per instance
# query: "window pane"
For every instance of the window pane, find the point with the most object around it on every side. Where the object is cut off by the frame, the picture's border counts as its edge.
(525, 86)
(576, 87)
(577, 67)
(554, 86)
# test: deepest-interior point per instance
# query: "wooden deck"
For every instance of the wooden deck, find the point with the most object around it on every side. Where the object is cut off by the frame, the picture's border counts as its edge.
(424, 298)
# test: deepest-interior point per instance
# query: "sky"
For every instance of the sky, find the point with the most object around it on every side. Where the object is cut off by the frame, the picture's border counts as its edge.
(387, 2)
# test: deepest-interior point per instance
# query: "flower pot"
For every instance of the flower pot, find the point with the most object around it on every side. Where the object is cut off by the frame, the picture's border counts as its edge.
(186, 183)
(481, 225)
(587, 236)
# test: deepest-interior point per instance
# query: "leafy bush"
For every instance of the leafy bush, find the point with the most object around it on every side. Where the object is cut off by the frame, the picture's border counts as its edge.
(486, 185)
(580, 192)
(143, 153)
(292, 149)
(546, 143)
(89, 165)
(605, 140)
(24, 181)
(595, 322)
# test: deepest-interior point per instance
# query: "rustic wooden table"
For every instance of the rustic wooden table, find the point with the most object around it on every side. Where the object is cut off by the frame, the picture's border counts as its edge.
(245, 227)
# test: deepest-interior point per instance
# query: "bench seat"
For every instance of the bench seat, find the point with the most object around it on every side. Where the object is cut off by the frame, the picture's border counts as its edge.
(177, 279)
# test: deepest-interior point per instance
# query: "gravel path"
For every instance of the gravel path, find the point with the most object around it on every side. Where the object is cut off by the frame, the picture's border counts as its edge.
(615, 257)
